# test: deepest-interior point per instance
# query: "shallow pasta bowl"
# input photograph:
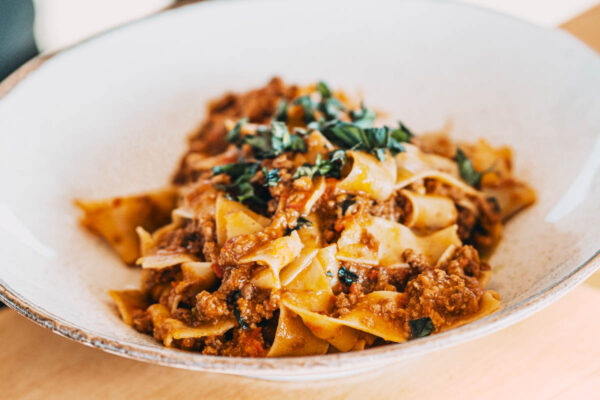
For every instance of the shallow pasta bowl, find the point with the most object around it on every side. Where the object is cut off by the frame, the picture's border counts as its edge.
(110, 117)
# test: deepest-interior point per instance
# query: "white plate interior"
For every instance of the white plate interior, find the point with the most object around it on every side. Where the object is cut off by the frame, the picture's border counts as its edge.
(110, 117)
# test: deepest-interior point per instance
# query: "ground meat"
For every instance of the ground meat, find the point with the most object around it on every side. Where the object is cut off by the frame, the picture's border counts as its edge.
(185, 315)
(237, 296)
(335, 209)
(389, 309)
(156, 281)
(183, 294)
(439, 188)
(235, 277)
(478, 227)
(245, 343)
(442, 296)
(396, 208)
(466, 222)
(142, 321)
(196, 237)
(344, 302)
(208, 232)
(466, 262)
(416, 261)
(370, 278)
(211, 306)
(257, 105)
(189, 344)
(257, 304)
(397, 277)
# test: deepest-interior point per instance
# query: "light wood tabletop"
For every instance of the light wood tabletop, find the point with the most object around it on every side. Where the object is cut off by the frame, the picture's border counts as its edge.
(552, 355)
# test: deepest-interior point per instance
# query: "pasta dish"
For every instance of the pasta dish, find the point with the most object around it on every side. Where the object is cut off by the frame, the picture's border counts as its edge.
(297, 224)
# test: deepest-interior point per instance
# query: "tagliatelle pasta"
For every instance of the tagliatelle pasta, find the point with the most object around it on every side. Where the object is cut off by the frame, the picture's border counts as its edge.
(295, 225)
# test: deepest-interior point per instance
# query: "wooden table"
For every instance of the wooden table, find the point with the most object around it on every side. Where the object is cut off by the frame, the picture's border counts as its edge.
(553, 355)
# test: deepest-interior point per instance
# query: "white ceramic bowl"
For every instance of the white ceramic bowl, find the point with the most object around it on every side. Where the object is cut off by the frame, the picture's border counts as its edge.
(110, 116)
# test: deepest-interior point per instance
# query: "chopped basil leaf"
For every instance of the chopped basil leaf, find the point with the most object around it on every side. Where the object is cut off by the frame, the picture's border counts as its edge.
(331, 167)
(236, 311)
(240, 187)
(323, 90)
(421, 327)
(301, 222)
(466, 169)
(330, 107)
(348, 136)
(348, 201)
(235, 135)
(364, 117)
(372, 140)
(301, 131)
(268, 142)
(280, 137)
(305, 170)
(281, 111)
(380, 154)
(322, 124)
(307, 106)
(402, 133)
(234, 170)
(260, 143)
(346, 276)
(271, 176)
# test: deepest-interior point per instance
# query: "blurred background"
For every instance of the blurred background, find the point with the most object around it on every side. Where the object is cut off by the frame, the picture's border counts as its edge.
(31, 26)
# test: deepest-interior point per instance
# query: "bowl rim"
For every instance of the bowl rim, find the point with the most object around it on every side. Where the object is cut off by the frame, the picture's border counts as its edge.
(283, 366)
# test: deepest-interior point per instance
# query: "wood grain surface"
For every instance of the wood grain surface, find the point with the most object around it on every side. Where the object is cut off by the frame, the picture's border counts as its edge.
(552, 355)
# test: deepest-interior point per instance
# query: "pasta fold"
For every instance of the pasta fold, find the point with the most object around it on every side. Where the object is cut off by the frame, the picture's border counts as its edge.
(116, 219)
(386, 241)
(370, 176)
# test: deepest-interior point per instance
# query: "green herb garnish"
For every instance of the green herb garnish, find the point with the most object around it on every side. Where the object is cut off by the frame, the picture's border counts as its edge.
(302, 222)
(331, 167)
(241, 188)
(421, 327)
(281, 111)
(268, 142)
(235, 135)
(236, 311)
(372, 140)
(307, 106)
(364, 117)
(331, 108)
(466, 169)
(237, 171)
(329, 105)
(271, 176)
(324, 90)
(348, 201)
(346, 276)
(403, 133)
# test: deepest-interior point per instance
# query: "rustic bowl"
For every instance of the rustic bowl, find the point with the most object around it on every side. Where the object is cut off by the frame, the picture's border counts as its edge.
(109, 116)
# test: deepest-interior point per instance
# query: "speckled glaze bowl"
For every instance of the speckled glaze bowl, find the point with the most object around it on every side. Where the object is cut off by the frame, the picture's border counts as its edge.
(110, 117)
